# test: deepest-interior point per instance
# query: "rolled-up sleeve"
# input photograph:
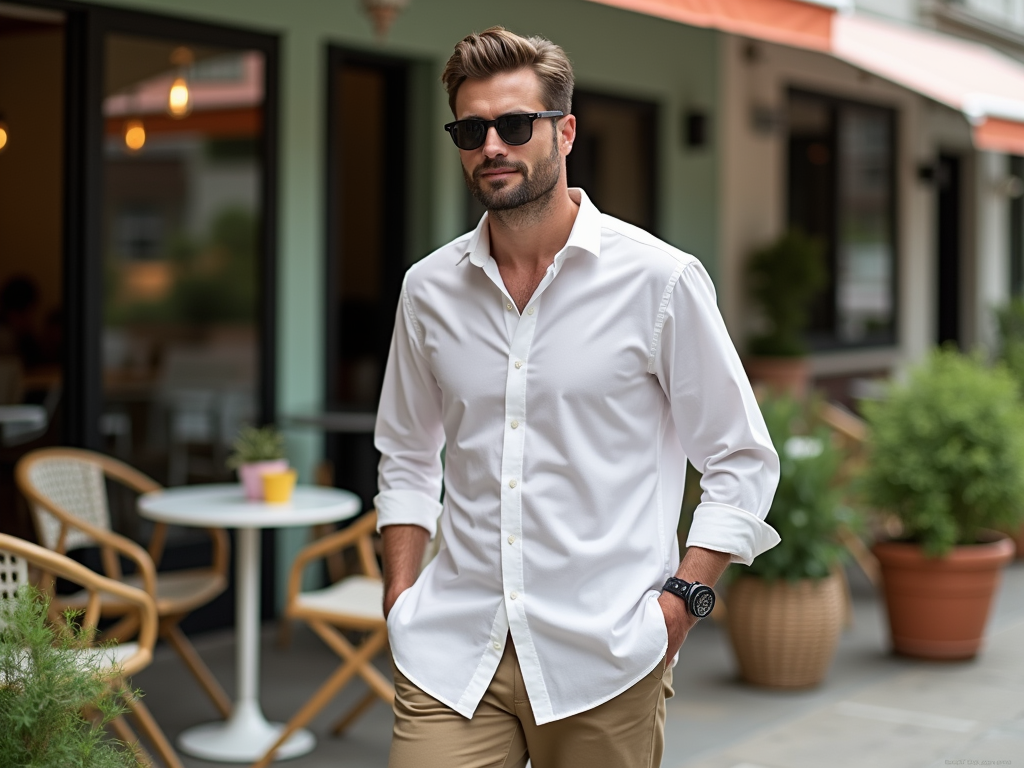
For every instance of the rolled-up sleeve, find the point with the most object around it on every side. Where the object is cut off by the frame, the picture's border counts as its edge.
(717, 419)
(409, 431)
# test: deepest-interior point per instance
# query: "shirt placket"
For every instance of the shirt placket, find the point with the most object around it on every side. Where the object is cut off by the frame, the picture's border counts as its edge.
(514, 485)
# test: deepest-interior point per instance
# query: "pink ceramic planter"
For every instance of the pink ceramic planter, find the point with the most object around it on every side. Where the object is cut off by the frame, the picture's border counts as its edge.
(251, 476)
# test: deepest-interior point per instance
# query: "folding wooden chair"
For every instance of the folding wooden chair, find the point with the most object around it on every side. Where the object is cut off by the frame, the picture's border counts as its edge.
(66, 491)
(16, 555)
(353, 604)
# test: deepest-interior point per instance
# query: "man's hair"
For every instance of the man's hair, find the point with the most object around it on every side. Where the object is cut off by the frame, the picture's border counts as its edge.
(497, 50)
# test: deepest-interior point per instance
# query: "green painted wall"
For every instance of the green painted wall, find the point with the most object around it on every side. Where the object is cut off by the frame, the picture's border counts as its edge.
(613, 51)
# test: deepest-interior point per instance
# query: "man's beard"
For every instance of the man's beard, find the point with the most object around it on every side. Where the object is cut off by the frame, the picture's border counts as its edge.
(534, 186)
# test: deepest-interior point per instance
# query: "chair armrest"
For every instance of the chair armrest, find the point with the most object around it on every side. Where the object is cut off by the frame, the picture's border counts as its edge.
(328, 545)
(63, 566)
(108, 540)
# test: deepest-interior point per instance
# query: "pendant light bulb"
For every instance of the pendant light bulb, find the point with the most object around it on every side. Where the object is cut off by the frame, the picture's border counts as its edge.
(179, 98)
(3, 134)
(134, 135)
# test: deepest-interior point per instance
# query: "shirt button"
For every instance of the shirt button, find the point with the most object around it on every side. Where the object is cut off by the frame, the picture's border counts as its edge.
(515, 424)
(519, 363)
(508, 305)
(497, 645)
(512, 483)
(529, 311)
(511, 539)
(513, 595)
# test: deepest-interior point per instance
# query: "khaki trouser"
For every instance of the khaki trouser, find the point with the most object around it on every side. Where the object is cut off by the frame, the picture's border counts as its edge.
(625, 732)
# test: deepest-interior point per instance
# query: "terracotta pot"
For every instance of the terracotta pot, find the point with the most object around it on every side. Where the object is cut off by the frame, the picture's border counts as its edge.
(785, 634)
(251, 475)
(938, 607)
(782, 375)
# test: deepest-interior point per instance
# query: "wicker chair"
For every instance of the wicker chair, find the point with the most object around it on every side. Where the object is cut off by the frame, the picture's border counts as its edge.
(66, 490)
(16, 555)
(353, 604)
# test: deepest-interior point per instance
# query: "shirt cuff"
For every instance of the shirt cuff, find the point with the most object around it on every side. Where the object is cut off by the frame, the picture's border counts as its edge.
(407, 508)
(724, 528)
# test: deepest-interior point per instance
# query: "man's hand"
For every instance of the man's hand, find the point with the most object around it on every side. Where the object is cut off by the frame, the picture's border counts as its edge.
(699, 564)
(678, 622)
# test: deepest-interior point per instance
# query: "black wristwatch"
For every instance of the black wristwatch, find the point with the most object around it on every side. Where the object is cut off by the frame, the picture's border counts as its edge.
(699, 598)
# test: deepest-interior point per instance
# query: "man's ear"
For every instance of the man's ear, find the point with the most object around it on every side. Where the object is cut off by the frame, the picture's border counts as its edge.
(567, 134)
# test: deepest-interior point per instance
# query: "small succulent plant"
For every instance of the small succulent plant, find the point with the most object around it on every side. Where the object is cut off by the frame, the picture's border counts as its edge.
(256, 444)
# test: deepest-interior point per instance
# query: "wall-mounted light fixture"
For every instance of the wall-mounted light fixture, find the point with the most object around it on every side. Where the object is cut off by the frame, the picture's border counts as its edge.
(696, 129)
(383, 13)
(179, 97)
(4, 131)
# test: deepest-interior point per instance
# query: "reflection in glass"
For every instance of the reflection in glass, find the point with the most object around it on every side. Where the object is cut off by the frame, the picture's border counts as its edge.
(181, 215)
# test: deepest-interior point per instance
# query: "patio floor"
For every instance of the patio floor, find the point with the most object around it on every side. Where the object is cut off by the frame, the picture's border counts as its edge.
(874, 709)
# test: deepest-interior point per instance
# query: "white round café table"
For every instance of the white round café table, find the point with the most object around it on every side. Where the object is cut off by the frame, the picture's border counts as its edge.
(246, 735)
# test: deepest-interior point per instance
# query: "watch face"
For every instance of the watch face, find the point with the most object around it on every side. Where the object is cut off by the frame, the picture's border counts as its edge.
(703, 601)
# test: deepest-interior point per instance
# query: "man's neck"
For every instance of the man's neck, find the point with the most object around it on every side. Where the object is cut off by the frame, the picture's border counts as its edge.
(527, 238)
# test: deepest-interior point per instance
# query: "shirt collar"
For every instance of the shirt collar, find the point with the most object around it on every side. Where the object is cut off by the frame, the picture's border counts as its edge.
(585, 235)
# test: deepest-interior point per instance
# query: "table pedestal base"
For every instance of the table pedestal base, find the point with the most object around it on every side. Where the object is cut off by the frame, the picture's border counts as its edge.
(244, 738)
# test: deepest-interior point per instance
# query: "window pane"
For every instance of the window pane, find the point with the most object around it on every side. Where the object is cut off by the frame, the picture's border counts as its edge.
(181, 213)
(864, 289)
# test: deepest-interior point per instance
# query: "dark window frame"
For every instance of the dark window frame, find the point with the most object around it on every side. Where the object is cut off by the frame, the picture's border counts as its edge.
(85, 28)
(818, 343)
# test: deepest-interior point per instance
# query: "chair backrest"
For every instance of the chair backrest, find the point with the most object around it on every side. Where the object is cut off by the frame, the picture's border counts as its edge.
(73, 483)
(13, 573)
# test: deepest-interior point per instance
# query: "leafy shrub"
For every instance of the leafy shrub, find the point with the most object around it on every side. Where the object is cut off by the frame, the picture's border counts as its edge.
(783, 279)
(1010, 320)
(45, 689)
(946, 451)
(807, 510)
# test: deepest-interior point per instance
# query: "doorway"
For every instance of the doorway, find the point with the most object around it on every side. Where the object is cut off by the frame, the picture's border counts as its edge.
(949, 239)
(613, 156)
(366, 220)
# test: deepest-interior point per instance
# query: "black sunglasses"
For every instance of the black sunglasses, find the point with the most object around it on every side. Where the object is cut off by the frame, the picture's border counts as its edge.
(514, 129)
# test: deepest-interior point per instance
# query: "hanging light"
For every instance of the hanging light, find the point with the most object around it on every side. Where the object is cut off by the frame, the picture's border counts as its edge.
(179, 97)
(384, 13)
(134, 135)
(3, 133)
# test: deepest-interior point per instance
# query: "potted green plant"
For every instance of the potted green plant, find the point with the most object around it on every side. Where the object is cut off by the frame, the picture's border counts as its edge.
(48, 691)
(1010, 320)
(785, 612)
(782, 280)
(946, 458)
(257, 451)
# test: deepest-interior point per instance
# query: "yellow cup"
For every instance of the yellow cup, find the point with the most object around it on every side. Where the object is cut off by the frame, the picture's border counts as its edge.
(278, 486)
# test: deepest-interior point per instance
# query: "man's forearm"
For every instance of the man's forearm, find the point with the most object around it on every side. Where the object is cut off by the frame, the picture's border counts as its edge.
(703, 565)
(404, 546)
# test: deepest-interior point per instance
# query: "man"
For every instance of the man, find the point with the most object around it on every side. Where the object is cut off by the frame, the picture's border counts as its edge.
(569, 363)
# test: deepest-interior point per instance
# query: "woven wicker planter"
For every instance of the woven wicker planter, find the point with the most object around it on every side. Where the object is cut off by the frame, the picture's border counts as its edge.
(785, 634)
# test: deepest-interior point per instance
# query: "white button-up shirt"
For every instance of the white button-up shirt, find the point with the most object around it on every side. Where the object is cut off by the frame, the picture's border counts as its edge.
(567, 428)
